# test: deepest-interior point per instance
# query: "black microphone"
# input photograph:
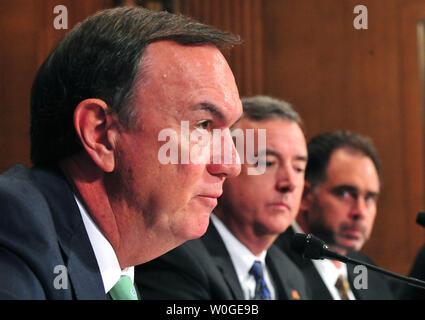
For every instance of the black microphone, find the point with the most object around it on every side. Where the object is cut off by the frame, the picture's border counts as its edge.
(420, 219)
(311, 247)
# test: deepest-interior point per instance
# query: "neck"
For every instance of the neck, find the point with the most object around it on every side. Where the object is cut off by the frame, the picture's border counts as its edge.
(123, 226)
(337, 264)
(339, 250)
(255, 240)
(87, 181)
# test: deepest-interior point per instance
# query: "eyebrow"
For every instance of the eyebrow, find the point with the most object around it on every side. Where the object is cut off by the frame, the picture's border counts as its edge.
(206, 106)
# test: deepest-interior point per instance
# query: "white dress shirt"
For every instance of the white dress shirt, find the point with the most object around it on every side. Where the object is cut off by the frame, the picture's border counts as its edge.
(243, 259)
(328, 271)
(107, 260)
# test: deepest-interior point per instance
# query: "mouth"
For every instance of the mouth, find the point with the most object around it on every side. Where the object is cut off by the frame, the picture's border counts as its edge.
(210, 197)
(209, 200)
(280, 206)
(355, 233)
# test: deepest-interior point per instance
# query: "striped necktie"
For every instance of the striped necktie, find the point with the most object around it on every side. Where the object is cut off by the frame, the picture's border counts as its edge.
(261, 290)
(342, 286)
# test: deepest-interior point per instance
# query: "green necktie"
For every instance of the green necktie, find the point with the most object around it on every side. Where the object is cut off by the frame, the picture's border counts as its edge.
(123, 290)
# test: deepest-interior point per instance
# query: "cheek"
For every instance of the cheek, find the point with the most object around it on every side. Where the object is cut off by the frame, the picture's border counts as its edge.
(177, 184)
(371, 218)
(258, 194)
(298, 196)
(336, 209)
(332, 213)
(187, 178)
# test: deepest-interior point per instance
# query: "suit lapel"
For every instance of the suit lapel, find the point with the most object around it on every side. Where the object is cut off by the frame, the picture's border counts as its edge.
(221, 257)
(319, 289)
(285, 285)
(276, 268)
(82, 267)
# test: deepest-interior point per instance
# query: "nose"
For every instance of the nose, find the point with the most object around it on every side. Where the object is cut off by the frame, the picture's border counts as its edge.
(225, 160)
(359, 209)
(285, 180)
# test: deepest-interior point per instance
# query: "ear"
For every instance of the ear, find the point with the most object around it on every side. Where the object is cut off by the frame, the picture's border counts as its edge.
(97, 131)
(307, 197)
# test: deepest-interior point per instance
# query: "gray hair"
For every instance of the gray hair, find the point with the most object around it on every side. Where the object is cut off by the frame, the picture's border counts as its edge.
(260, 108)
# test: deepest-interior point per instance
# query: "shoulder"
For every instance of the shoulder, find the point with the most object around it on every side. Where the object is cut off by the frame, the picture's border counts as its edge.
(181, 273)
(26, 214)
(418, 269)
(28, 238)
(278, 255)
(377, 285)
(359, 256)
(287, 272)
(408, 292)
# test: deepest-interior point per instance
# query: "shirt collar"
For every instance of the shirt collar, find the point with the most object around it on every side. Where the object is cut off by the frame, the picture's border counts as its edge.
(107, 260)
(329, 271)
(241, 256)
(296, 227)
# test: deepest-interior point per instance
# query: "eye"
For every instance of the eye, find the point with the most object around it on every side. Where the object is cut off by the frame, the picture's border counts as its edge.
(270, 163)
(343, 194)
(299, 169)
(371, 198)
(205, 124)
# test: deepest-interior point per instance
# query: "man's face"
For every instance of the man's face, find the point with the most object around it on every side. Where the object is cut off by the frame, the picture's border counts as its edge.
(266, 204)
(343, 208)
(191, 85)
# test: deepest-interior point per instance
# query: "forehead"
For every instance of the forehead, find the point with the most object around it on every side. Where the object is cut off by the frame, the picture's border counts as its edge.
(173, 64)
(281, 135)
(188, 75)
(352, 168)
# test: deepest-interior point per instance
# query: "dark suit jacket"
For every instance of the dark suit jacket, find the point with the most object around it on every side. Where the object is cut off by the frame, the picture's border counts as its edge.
(378, 286)
(202, 269)
(41, 228)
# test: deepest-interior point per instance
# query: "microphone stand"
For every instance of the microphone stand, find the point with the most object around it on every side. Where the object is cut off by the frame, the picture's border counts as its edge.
(336, 256)
(312, 247)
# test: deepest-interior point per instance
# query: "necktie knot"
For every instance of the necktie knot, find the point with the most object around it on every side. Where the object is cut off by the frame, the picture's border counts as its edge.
(123, 290)
(261, 290)
(257, 270)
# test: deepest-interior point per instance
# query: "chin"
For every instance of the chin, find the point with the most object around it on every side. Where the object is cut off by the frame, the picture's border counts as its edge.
(196, 228)
(350, 245)
(279, 226)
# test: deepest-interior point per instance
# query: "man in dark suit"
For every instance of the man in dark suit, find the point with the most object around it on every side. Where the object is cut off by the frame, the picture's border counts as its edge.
(235, 259)
(101, 198)
(339, 206)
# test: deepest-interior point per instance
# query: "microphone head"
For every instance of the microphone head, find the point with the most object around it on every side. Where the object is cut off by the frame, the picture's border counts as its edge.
(308, 246)
(420, 219)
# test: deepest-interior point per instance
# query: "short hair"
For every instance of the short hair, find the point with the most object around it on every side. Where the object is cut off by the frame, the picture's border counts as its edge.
(102, 57)
(321, 147)
(259, 108)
